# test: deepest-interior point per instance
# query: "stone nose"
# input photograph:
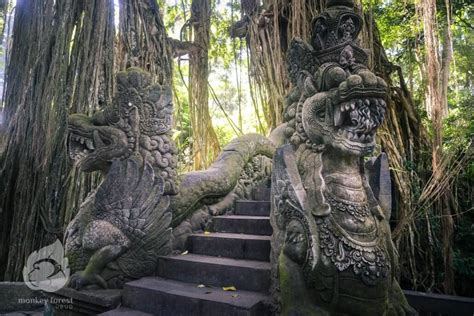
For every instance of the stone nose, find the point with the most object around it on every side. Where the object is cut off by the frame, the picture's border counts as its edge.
(368, 78)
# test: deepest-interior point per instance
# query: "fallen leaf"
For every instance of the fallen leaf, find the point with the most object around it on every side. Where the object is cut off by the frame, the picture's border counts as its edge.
(184, 253)
(207, 233)
(201, 285)
(235, 295)
(229, 288)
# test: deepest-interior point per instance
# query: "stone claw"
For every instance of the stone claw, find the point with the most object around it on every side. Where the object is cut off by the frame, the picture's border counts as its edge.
(82, 279)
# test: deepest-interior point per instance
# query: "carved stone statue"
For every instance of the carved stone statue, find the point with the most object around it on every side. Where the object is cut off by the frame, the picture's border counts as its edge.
(123, 226)
(332, 249)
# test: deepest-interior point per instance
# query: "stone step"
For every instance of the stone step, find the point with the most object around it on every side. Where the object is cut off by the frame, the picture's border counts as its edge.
(237, 246)
(242, 224)
(87, 302)
(125, 311)
(261, 194)
(252, 208)
(165, 297)
(215, 271)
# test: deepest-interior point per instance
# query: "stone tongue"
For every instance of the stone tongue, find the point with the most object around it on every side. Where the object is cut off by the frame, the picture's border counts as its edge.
(338, 118)
(97, 140)
(89, 144)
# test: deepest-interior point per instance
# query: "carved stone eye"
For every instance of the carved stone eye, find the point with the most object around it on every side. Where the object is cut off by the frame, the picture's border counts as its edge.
(320, 27)
(321, 115)
(319, 33)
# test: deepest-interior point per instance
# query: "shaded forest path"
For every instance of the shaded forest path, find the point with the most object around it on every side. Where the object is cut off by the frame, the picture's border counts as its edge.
(234, 254)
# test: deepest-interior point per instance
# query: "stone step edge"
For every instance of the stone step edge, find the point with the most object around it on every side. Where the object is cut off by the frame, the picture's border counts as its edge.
(243, 299)
(232, 236)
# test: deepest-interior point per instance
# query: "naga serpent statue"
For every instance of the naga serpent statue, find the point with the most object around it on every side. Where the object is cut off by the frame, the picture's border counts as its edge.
(332, 252)
(122, 227)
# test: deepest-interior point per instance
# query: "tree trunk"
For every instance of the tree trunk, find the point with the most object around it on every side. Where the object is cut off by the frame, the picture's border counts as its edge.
(62, 62)
(205, 142)
(437, 69)
(269, 34)
(45, 78)
(143, 40)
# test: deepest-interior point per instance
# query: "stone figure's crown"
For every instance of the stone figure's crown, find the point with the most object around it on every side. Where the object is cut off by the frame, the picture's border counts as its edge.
(135, 89)
(336, 28)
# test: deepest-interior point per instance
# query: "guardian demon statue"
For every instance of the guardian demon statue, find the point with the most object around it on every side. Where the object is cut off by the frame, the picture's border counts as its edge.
(332, 249)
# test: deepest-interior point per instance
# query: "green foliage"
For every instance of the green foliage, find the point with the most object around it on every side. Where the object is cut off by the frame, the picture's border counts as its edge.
(464, 247)
(398, 26)
(463, 259)
(221, 45)
(402, 37)
(228, 75)
(401, 31)
(459, 126)
(183, 132)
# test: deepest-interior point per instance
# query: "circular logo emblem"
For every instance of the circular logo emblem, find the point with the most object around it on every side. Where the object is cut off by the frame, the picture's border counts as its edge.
(47, 269)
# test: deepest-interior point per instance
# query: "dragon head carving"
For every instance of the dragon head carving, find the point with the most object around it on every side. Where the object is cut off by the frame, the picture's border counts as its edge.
(341, 102)
(138, 123)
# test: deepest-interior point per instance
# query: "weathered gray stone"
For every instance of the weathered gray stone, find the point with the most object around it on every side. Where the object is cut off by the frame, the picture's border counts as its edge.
(242, 224)
(122, 227)
(378, 175)
(191, 283)
(16, 296)
(237, 246)
(109, 298)
(215, 271)
(332, 249)
(167, 297)
(252, 208)
(261, 193)
(229, 179)
(243, 164)
(68, 301)
(124, 311)
(181, 234)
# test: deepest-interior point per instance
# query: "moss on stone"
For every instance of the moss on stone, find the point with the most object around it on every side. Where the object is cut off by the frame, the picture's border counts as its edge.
(295, 300)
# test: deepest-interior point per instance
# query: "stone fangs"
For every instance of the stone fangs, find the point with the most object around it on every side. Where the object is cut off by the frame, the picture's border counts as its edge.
(358, 119)
(84, 141)
(80, 147)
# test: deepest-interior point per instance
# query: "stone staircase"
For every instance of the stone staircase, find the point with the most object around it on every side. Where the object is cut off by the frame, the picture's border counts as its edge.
(235, 253)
